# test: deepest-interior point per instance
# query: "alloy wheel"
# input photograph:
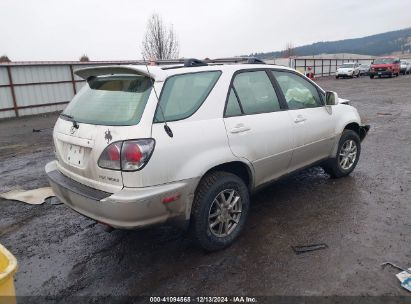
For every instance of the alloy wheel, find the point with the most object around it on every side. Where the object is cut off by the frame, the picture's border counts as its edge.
(225, 213)
(348, 154)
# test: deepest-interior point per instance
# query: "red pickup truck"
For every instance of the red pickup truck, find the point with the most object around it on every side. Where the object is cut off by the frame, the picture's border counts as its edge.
(385, 66)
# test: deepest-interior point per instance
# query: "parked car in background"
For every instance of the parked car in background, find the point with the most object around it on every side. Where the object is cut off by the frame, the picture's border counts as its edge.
(364, 69)
(349, 69)
(405, 67)
(192, 154)
(385, 66)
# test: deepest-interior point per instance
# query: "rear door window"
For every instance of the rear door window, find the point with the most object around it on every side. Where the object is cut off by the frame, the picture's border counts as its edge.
(255, 92)
(111, 100)
(233, 106)
(182, 95)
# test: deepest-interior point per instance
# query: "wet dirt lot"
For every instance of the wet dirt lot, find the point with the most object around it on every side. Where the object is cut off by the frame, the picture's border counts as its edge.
(365, 220)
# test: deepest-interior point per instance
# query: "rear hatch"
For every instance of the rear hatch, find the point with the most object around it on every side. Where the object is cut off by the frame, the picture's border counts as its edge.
(108, 109)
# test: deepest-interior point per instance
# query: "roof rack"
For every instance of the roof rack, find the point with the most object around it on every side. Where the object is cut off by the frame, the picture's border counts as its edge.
(193, 62)
(244, 60)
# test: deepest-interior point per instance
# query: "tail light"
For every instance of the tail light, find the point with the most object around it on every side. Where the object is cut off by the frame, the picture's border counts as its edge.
(136, 153)
(130, 155)
(110, 158)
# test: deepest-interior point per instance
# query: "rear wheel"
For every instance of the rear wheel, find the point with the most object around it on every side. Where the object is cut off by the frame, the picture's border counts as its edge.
(372, 76)
(348, 153)
(220, 210)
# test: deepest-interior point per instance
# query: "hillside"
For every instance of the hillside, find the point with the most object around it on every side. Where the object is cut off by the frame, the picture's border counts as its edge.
(376, 45)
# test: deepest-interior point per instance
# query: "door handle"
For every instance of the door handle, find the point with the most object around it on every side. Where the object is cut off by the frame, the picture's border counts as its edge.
(239, 129)
(299, 119)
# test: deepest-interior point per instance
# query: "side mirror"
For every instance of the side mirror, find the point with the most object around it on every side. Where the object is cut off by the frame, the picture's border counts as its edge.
(331, 98)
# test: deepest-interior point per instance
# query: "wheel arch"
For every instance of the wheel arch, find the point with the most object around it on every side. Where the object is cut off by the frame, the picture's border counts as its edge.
(239, 168)
(352, 125)
(357, 129)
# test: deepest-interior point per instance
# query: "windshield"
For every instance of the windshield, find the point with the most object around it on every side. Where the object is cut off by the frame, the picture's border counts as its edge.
(117, 100)
(383, 61)
(347, 65)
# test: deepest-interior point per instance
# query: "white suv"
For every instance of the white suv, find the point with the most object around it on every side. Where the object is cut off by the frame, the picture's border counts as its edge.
(348, 69)
(187, 144)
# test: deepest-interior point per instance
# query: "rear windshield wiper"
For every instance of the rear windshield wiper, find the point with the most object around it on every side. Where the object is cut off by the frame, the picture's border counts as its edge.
(71, 118)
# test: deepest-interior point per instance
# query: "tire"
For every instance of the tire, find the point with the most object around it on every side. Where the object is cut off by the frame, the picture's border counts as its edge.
(337, 77)
(338, 167)
(206, 210)
(372, 76)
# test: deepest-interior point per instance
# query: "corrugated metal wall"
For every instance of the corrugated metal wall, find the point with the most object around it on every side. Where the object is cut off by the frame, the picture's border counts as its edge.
(34, 88)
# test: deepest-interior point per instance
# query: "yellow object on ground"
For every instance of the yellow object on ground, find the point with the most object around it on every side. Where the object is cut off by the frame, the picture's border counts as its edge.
(8, 267)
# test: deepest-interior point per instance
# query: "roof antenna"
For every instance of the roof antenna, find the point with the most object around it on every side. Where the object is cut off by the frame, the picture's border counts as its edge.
(166, 127)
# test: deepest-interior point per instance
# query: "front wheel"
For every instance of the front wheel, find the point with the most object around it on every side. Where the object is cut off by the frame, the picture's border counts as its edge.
(372, 76)
(219, 211)
(348, 154)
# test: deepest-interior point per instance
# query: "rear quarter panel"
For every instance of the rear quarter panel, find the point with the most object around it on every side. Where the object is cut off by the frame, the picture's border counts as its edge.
(199, 143)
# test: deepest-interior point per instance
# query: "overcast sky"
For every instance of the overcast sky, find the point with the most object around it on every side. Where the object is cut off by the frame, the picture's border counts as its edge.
(113, 30)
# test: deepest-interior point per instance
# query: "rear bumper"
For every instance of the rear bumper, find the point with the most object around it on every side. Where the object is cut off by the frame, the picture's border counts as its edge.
(130, 208)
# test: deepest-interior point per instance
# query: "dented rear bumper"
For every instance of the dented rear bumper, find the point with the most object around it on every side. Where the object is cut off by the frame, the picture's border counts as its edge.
(130, 208)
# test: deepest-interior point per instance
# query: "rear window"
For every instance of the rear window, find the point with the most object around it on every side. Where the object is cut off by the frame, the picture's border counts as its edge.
(182, 95)
(111, 100)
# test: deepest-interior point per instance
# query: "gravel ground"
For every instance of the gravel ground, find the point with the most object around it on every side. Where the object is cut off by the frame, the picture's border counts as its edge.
(365, 219)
